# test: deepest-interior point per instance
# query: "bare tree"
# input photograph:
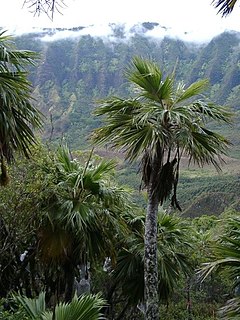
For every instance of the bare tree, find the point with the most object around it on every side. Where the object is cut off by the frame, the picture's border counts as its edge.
(48, 7)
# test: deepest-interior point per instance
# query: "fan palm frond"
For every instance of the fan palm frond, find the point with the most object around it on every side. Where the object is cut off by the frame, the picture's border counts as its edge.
(164, 122)
(231, 310)
(225, 7)
(86, 307)
(172, 262)
(226, 257)
(18, 115)
(34, 308)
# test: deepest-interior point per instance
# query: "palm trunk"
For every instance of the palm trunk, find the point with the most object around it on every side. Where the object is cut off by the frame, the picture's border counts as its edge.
(69, 279)
(150, 260)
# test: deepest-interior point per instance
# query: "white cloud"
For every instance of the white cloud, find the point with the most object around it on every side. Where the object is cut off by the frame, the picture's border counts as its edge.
(191, 20)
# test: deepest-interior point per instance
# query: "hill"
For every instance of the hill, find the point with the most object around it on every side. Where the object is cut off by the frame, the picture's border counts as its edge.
(75, 72)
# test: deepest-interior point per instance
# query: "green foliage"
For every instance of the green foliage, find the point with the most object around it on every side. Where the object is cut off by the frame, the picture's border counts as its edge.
(59, 207)
(226, 257)
(34, 308)
(86, 307)
(9, 310)
(73, 119)
(179, 311)
(173, 262)
(92, 69)
(21, 215)
(163, 122)
(18, 114)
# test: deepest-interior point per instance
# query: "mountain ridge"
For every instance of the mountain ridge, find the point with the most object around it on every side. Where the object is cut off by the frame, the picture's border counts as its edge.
(118, 31)
(74, 74)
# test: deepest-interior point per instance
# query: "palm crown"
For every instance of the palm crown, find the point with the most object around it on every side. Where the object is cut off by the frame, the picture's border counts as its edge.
(18, 116)
(162, 123)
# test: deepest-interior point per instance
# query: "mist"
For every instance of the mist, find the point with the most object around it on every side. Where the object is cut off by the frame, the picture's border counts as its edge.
(112, 32)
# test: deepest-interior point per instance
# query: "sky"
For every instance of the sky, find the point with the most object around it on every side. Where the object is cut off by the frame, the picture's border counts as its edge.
(189, 20)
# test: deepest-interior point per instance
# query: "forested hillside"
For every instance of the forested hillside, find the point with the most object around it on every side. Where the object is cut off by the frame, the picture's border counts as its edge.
(83, 232)
(74, 73)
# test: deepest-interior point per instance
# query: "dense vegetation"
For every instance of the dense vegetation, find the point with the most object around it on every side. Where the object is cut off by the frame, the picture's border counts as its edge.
(69, 221)
(39, 234)
(73, 74)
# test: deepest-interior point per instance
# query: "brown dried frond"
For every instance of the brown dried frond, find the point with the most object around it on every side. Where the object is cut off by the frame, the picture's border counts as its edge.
(165, 181)
(4, 177)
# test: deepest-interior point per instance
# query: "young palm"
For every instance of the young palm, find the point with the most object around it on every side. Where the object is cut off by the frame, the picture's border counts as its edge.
(87, 307)
(18, 116)
(161, 124)
(227, 257)
(84, 215)
(173, 263)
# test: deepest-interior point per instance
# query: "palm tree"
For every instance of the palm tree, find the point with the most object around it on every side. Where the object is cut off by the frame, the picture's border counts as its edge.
(87, 307)
(227, 257)
(173, 263)
(160, 125)
(225, 7)
(84, 215)
(18, 116)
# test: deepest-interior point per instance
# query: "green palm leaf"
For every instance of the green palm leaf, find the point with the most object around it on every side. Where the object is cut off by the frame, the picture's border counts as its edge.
(18, 116)
(85, 212)
(227, 257)
(148, 78)
(193, 90)
(87, 307)
(159, 118)
(172, 262)
(34, 308)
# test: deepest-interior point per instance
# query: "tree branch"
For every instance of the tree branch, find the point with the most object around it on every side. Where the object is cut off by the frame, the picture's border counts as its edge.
(48, 7)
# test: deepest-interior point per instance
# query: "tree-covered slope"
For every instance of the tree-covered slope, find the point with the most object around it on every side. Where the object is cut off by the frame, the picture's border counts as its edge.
(74, 73)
